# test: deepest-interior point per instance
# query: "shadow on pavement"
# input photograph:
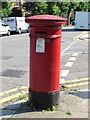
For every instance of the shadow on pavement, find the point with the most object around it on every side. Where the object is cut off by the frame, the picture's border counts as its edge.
(25, 106)
(69, 30)
(17, 108)
(82, 94)
(72, 29)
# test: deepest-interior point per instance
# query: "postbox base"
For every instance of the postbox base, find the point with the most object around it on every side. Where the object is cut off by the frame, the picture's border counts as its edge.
(42, 100)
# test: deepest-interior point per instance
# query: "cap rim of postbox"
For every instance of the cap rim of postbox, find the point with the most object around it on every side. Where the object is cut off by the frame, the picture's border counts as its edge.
(48, 19)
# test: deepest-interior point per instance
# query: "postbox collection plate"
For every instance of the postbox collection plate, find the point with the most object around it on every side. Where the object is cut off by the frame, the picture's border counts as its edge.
(40, 45)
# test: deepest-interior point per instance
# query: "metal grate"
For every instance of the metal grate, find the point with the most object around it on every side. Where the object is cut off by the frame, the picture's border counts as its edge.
(13, 73)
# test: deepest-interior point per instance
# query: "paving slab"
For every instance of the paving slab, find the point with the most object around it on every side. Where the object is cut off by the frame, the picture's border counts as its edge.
(71, 106)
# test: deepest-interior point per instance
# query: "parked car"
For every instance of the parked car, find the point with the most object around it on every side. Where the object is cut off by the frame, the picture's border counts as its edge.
(17, 24)
(4, 29)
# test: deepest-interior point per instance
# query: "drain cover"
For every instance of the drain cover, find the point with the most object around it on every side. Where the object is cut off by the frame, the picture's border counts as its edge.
(13, 73)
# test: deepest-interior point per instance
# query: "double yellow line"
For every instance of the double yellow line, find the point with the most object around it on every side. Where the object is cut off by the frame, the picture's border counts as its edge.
(68, 83)
(3, 100)
(80, 35)
(77, 82)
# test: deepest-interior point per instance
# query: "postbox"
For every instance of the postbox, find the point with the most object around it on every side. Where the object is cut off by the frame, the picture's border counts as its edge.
(45, 46)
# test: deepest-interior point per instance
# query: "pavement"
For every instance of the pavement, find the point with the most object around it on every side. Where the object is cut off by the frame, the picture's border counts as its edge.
(84, 34)
(73, 104)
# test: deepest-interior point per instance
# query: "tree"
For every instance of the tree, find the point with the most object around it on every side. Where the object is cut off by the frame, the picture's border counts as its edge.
(81, 6)
(35, 7)
(89, 6)
(67, 8)
(64, 9)
(53, 8)
(6, 8)
(42, 7)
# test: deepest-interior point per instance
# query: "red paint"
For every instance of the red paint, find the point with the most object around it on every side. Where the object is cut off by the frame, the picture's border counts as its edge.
(45, 20)
(45, 67)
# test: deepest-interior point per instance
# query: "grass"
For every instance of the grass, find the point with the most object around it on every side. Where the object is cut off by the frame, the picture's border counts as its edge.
(68, 113)
(23, 96)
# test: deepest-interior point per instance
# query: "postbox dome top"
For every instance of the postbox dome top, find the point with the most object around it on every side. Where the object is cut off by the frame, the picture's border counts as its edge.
(45, 19)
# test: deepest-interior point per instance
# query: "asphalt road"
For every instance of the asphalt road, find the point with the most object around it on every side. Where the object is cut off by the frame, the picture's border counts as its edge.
(15, 62)
(75, 60)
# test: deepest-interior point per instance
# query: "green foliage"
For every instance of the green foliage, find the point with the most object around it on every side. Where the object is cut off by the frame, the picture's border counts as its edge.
(64, 9)
(81, 6)
(68, 113)
(41, 8)
(6, 8)
(88, 6)
(55, 9)
(44, 7)
(36, 7)
(23, 96)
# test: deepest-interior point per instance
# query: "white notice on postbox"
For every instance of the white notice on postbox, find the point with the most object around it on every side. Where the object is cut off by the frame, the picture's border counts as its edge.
(40, 45)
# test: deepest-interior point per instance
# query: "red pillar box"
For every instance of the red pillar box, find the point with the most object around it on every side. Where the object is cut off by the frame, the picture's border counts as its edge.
(45, 45)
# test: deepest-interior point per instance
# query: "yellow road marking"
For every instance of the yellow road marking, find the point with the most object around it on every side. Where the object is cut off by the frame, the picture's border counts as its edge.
(78, 84)
(84, 32)
(13, 90)
(77, 80)
(23, 87)
(9, 91)
(10, 98)
(77, 37)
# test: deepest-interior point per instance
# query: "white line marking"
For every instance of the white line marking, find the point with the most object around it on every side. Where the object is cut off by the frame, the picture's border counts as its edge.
(75, 54)
(64, 73)
(68, 47)
(72, 58)
(62, 52)
(68, 64)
